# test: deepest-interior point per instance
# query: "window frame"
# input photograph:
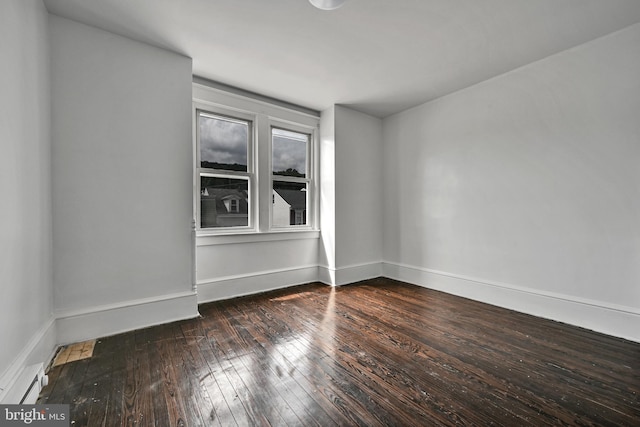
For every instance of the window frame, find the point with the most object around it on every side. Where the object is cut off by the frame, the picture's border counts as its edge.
(262, 116)
(309, 172)
(249, 175)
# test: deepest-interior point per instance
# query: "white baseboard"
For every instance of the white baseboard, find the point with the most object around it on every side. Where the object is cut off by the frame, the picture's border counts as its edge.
(101, 321)
(616, 320)
(327, 275)
(349, 274)
(253, 283)
(39, 351)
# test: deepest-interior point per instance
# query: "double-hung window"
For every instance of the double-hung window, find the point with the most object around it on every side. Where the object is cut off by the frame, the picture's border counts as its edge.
(290, 180)
(225, 171)
(254, 166)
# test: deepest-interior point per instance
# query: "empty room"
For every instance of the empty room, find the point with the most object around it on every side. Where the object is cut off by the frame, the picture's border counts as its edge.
(320, 212)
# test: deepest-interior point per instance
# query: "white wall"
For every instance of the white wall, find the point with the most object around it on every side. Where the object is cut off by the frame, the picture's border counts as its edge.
(351, 196)
(327, 242)
(359, 195)
(226, 270)
(122, 180)
(27, 334)
(524, 190)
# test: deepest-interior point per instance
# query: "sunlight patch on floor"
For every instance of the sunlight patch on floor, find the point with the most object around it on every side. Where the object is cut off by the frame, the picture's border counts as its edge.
(290, 297)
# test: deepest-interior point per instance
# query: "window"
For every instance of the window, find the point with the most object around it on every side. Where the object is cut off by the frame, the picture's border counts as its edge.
(254, 165)
(224, 171)
(290, 182)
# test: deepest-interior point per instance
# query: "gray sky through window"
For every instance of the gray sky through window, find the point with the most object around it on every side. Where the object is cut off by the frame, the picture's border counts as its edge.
(223, 141)
(289, 151)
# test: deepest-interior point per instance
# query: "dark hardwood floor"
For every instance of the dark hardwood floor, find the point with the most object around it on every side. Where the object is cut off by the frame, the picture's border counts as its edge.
(374, 353)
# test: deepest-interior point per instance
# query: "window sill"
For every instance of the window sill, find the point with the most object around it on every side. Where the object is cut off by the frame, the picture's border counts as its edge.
(254, 237)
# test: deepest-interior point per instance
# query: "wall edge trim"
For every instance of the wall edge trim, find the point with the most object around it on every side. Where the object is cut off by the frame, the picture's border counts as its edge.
(555, 295)
(65, 314)
(206, 282)
(603, 317)
(112, 319)
(254, 283)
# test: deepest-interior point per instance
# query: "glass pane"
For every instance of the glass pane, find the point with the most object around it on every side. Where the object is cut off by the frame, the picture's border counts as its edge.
(289, 204)
(224, 202)
(289, 152)
(223, 143)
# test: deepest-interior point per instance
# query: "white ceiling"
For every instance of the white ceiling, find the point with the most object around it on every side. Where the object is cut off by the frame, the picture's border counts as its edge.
(377, 56)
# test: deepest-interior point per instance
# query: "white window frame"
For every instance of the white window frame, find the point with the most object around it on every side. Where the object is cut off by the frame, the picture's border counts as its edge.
(249, 175)
(274, 124)
(263, 117)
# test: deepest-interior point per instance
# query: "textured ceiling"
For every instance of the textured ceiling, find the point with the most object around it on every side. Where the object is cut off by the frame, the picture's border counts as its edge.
(377, 56)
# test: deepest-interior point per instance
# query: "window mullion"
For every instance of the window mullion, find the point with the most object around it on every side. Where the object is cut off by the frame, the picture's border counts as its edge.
(263, 172)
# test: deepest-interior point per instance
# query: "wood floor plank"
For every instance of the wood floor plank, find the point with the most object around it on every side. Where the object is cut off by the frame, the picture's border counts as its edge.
(325, 376)
(273, 380)
(114, 408)
(339, 364)
(192, 397)
(241, 350)
(138, 407)
(180, 409)
(388, 377)
(317, 368)
(445, 372)
(374, 353)
(528, 370)
(227, 405)
(100, 376)
(292, 388)
(210, 398)
(223, 375)
(161, 413)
